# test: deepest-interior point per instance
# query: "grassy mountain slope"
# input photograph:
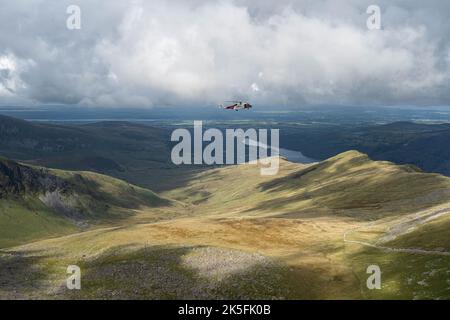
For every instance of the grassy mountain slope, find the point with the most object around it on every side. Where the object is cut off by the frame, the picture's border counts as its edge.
(424, 145)
(348, 184)
(309, 232)
(37, 202)
(415, 264)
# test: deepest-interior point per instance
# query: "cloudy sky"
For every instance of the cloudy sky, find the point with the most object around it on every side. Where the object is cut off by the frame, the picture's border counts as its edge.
(200, 52)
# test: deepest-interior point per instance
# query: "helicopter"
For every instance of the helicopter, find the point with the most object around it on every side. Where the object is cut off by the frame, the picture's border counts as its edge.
(236, 105)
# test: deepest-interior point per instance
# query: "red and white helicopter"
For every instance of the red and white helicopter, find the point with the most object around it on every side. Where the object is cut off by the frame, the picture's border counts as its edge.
(236, 105)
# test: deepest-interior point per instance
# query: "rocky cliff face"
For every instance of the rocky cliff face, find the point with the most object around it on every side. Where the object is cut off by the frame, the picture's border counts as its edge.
(18, 179)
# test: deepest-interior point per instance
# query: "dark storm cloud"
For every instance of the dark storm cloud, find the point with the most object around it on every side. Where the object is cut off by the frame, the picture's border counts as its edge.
(145, 53)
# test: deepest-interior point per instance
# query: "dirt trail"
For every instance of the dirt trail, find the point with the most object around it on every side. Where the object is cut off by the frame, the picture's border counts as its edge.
(403, 228)
(406, 250)
(409, 225)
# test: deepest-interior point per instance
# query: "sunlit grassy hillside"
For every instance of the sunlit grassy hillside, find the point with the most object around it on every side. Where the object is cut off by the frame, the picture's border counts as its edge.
(309, 232)
(36, 203)
(348, 184)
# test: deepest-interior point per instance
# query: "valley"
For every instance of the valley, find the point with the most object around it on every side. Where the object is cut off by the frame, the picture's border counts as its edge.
(244, 154)
(308, 233)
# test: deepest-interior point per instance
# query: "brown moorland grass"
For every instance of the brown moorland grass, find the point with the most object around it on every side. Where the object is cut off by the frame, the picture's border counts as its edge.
(286, 231)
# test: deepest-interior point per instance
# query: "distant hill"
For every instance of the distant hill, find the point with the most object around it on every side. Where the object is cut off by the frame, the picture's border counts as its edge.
(28, 140)
(140, 154)
(424, 145)
(120, 149)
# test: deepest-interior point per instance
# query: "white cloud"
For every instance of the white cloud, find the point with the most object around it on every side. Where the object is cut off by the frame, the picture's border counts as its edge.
(11, 69)
(197, 52)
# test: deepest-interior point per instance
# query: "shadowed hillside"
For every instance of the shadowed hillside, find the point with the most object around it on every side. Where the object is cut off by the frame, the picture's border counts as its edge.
(424, 145)
(308, 233)
(139, 154)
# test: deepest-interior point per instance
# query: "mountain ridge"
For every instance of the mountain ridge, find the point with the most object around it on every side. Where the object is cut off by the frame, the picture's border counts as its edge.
(309, 232)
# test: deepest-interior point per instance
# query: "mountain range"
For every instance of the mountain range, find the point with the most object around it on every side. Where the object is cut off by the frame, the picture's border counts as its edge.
(308, 233)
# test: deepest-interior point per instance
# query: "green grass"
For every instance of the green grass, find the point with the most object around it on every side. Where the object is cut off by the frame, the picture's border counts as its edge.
(24, 220)
(89, 199)
(403, 275)
(296, 219)
(111, 191)
(348, 184)
(433, 235)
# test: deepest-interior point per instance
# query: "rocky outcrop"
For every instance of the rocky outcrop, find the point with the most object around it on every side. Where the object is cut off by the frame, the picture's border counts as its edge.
(16, 179)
